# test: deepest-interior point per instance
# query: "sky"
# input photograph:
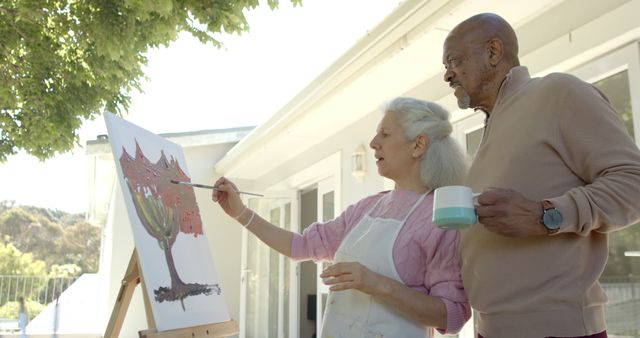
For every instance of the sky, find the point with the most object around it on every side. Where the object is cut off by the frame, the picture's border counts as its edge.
(191, 86)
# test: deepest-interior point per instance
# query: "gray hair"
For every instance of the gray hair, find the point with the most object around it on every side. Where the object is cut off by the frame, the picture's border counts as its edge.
(444, 163)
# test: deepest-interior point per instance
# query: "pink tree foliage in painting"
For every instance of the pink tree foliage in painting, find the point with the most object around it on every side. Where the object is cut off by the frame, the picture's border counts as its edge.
(165, 209)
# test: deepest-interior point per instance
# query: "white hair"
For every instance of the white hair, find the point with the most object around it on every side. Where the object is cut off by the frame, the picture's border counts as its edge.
(445, 163)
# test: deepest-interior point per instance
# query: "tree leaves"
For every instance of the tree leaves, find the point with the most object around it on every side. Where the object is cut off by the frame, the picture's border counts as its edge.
(51, 237)
(62, 62)
(14, 262)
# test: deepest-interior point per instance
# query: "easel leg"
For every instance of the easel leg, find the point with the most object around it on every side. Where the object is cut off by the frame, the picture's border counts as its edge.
(129, 283)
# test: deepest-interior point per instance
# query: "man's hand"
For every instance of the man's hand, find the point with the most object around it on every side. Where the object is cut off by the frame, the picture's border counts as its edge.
(508, 213)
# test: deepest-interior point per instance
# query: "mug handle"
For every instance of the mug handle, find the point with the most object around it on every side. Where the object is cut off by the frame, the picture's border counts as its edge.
(475, 199)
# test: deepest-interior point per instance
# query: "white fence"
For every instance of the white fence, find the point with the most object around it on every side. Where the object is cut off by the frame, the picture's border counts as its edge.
(43, 290)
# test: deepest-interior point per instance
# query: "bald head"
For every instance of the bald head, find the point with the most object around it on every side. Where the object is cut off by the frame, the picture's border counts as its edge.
(484, 27)
(477, 55)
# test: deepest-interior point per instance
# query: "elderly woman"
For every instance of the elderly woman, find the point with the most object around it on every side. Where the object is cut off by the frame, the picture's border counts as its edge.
(394, 274)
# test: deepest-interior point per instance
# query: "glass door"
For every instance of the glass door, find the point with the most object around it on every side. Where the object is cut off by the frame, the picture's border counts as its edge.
(617, 75)
(269, 303)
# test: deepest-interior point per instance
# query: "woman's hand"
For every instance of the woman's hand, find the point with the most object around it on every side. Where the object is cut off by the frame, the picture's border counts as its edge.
(226, 194)
(426, 310)
(351, 275)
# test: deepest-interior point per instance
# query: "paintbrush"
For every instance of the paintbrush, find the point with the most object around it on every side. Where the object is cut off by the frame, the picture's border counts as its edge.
(212, 187)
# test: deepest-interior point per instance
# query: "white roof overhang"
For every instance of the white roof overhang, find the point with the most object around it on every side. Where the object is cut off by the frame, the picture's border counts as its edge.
(400, 56)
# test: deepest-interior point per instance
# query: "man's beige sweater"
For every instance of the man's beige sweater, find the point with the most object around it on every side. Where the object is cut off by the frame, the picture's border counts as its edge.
(554, 138)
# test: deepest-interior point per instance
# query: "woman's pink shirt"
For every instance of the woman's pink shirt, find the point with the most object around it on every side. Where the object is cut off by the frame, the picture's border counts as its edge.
(426, 257)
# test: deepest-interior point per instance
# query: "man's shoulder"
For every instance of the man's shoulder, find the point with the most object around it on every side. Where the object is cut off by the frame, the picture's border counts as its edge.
(561, 79)
(561, 84)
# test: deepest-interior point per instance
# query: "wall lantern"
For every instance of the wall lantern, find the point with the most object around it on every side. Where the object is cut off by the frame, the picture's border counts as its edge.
(359, 163)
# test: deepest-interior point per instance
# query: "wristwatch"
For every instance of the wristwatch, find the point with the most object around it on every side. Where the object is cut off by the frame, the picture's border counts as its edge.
(551, 217)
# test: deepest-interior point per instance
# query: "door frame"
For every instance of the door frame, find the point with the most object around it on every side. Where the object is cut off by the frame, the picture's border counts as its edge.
(324, 186)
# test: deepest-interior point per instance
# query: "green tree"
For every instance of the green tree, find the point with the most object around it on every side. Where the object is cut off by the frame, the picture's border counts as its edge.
(63, 61)
(52, 236)
(65, 270)
(13, 222)
(33, 232)
(14, 262)
(5, 205)
(41, 238)
(80, 245)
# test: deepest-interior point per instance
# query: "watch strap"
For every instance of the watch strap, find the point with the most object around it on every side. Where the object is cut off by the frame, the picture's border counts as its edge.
(546, 205)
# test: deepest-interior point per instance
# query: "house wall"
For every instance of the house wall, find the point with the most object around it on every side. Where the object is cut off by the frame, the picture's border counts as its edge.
(341, 141)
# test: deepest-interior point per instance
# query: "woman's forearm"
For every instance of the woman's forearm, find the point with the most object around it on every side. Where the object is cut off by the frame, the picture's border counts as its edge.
(424, 309)
(275, 237)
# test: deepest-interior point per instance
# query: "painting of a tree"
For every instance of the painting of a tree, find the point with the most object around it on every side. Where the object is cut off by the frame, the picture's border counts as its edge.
(174, 255)
(165, 209)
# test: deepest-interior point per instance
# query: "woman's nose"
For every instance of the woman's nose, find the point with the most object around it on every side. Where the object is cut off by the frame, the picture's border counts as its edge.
(373, 143)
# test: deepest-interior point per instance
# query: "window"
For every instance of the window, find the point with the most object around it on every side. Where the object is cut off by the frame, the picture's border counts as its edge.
(473, 139)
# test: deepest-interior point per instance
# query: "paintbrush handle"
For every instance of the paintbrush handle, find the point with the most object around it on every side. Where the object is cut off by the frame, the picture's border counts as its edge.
(244, 192)
(214, 188)
(199, 185)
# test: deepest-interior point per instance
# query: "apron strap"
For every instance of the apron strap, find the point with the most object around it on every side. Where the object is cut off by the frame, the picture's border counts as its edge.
(415, 205)
(374, 206)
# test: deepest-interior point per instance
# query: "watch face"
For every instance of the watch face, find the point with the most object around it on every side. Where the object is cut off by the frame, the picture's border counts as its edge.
(552, 219)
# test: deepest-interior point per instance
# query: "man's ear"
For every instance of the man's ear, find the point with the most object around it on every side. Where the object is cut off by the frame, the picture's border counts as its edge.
(420, 146)
(495, 51)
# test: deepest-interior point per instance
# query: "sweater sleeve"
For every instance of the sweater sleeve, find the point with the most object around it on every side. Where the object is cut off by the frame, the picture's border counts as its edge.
(443, 279)
(598, 149)
(320, 241)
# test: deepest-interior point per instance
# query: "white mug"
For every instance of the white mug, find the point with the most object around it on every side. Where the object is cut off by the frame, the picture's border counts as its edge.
(453, 207)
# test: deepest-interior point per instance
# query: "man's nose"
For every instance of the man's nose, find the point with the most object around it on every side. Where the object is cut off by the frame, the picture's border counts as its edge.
(448, 76)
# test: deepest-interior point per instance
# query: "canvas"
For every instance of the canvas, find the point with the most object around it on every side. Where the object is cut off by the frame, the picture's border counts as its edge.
(173, 251)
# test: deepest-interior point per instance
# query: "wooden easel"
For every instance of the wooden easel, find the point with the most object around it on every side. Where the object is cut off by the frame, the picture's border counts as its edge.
(132, 278)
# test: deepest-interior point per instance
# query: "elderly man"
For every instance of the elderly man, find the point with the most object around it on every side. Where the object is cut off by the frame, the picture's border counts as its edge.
(558, 172)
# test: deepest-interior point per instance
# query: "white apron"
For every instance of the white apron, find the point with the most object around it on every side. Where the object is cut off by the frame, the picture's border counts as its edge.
(355, 314)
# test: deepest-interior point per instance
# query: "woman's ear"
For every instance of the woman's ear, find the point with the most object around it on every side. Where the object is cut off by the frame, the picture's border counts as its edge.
(420, 146)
